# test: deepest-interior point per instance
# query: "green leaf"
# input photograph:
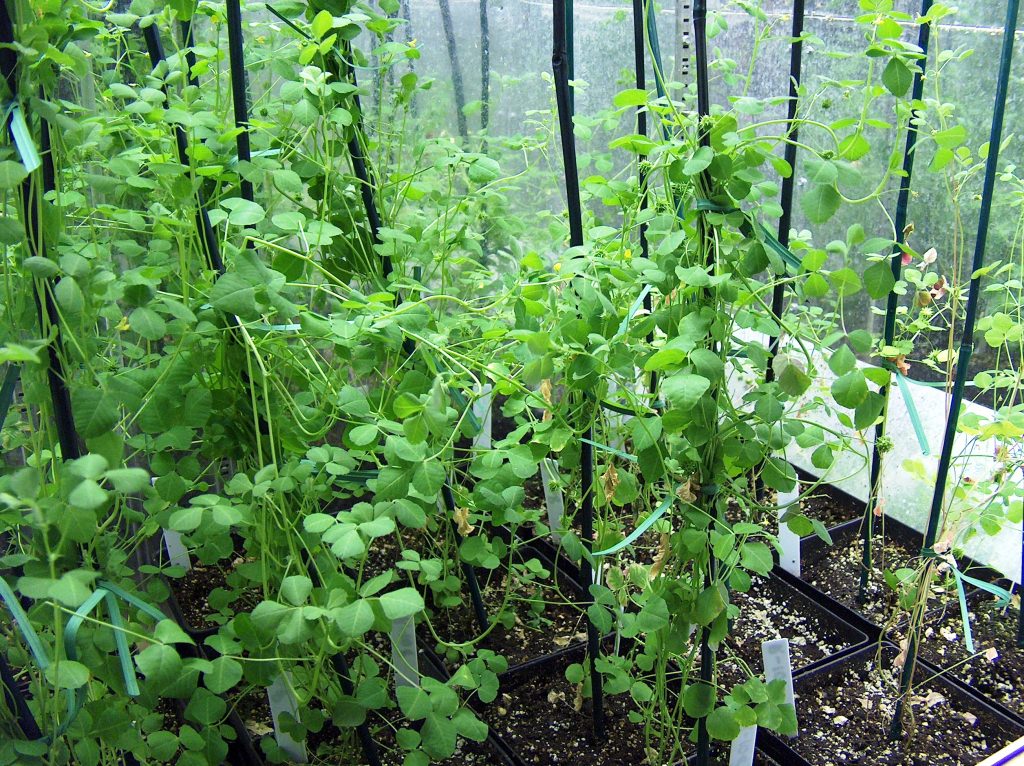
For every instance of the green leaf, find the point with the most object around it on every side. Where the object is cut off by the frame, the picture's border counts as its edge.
(205, 707)
(630, 97)
(483, 170)
(793, 380)
(821, 171)
(756, 557)
(232, 294)
(355, 618)
(94, 411)
(820, 203)
(950, 138)
(722, 724)
(842, 360)
(850, 390)
(699, 162)
(147, 323)
(160, 663)
(11, 174)
(67, 674)
(710, 603)
(401, 603)
(897, 77)
(684, 390)
(87, 495)
(414, 702)
(363, 436)
(223, 674)
(698, 700)
(69, 295)
(295, 589)
(878, 280)
(666, 357)
(242, 212)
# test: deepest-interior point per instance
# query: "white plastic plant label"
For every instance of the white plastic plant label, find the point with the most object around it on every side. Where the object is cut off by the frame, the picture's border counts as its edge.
(777, 665)
(177, 553)
(281, 699)
(482, 412)
(552, 496)
(789, 541)
(404, 654)
(741, 752)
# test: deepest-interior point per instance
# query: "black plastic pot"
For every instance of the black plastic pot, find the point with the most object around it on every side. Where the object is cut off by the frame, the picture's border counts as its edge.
(850, 627)
(839, 611)
(528, 551)
(994, 718)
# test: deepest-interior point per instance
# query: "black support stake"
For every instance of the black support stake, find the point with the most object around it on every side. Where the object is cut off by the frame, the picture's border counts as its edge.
(966, 346)
(189, 43)
(562, 66)
(340, 665)
(207, 235)
(889, 332)
(15, 700)
(796, 53)
(467, 569)
(640, 62)
(239, 96)
(31, 202)
(485, 68)
(453, 57)
(707, 654)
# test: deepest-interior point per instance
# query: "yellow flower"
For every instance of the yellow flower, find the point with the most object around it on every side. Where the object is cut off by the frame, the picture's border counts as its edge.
(123, 326)
(412, 43)
(628, 254)
(558, 267)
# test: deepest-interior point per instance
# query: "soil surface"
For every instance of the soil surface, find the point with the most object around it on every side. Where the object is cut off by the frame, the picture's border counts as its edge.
(193, 593)
(539, 720)
(541, 618)
(844, 719)
(996, 668)
(836, 572)
(773, 610)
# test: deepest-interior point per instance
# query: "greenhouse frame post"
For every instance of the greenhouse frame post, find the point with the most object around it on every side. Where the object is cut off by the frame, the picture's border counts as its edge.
(239, 98)
(485, 68)
(966, 348)
(204, 228)
(31, 203)
(796, 53)
(700, 43)
(562, 68)
(640, 11)
(892, 303)
(458, 85)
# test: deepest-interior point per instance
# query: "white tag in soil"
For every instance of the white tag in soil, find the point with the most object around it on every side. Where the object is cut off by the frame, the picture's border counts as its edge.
(482, 412)
(552, 496)
(789, 541)
(281, 699)
(404, 655)
(741, 752)
(777, 665)
(177, 553)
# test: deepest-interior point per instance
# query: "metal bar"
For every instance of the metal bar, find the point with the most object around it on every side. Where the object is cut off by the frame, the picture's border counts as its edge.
(788, 184)
(485, 67)
(640, 62)
(966, 343)
(207, 235)
(239, 96)
(31, 201)
(562, 68)
(453, 57)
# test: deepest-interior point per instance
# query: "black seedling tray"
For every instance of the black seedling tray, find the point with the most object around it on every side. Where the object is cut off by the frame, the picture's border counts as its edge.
(926, 675)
